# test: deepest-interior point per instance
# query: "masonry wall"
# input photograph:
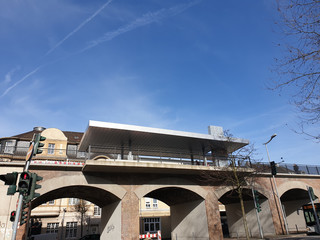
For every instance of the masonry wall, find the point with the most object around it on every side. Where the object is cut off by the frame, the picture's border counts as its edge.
(130, 187)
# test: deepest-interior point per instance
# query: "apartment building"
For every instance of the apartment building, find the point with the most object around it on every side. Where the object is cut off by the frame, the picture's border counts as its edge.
(71, 218)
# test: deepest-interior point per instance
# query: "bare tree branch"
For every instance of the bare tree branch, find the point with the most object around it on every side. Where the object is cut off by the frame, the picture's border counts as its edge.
(299, 68)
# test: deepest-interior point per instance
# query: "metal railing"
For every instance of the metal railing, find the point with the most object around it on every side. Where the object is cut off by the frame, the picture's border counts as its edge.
(17, 153)
(160, 156)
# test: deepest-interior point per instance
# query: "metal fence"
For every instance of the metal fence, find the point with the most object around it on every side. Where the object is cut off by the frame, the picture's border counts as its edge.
(159, 156)
(18, 152)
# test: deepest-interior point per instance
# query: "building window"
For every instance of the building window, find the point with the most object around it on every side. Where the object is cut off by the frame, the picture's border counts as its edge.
(155, 203)
(51, 148)
(151, 225)
(148, 202)
(73, 201)
(51, 202)
(71, 230)
(9, 147)
(97, 211)
(52, 227)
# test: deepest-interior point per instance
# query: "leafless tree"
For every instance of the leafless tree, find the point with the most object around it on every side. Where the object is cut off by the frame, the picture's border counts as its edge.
(81, 207)
(238, 174)
(299, 68)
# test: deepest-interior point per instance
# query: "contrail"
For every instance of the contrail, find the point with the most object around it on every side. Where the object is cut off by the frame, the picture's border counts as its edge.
(57, 45)
(20, 81)
(79, 27)
(144, 20)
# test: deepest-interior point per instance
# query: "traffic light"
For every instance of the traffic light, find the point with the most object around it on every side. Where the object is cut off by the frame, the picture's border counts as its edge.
(37, 144)
(273, 168)
(34, 186)
(12, 216)
(25, 211)
(11, 180)
(256, 199)
(313, 197)
(24, 183)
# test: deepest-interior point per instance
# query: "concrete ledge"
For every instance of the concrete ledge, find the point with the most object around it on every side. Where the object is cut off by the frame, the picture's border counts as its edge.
(143, 167)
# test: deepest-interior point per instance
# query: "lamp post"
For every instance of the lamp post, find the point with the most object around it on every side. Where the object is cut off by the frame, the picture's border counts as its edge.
(275, 186)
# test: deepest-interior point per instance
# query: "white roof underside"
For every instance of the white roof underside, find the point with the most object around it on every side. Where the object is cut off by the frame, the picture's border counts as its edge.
(106, 135)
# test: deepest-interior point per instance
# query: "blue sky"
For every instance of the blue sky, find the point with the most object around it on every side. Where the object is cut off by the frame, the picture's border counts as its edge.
(178, 64)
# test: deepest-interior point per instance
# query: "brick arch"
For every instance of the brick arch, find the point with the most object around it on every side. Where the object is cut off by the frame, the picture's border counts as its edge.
(223, 190)
(170, 183)
(73, 184)
(288, 185)
(101, 158)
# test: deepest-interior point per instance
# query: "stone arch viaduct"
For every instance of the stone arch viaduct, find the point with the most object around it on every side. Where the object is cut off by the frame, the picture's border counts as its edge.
(125, 163)
(194, 204)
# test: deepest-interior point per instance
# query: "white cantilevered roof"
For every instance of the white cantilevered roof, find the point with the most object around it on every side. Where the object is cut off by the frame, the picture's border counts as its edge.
(105, 134)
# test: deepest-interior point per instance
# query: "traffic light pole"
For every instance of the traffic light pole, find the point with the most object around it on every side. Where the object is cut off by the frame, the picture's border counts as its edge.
(19, 207)
(257, 213)
(278, 197)
(16, 220)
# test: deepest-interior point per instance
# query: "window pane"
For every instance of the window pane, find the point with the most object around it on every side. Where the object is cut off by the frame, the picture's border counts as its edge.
(311, 216)
(73, 201)
(71, 229)
(152, 225)
(97, 211)
(9, 147)
(146, 228)
(306, 214)
(51, 148)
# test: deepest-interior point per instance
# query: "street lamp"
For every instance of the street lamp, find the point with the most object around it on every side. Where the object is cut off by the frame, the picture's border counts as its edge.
(275, 186)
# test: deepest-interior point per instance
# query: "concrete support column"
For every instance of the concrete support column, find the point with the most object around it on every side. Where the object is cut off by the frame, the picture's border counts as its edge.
(111, 221)
(213, 216)
(130, 156)
(188, 220)
(130, 216)
(204, 157)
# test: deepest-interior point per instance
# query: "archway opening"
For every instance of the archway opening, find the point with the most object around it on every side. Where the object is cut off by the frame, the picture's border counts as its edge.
(73, 212)
(292, 202)
(232, 218)
(180, 213)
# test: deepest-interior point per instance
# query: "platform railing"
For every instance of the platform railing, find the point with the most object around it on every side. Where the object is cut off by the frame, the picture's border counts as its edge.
(19, 153)
(161, 156)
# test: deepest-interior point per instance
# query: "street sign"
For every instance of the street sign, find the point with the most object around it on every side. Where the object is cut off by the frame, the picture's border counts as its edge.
(30, 152)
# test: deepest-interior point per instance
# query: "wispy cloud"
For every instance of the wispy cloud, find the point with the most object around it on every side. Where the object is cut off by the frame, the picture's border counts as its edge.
(20, 81)
(142, 21)
(7, 77)
(79, 27)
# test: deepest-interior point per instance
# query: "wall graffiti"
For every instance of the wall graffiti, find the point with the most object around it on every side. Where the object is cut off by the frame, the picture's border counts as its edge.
(2, 225)
(110, 228)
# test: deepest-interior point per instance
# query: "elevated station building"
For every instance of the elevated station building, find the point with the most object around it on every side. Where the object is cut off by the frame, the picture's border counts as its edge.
(139, 179)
